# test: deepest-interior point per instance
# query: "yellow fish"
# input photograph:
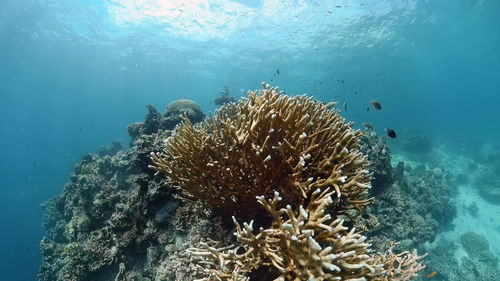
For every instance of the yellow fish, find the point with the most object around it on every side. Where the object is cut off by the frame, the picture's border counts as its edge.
(431, 275)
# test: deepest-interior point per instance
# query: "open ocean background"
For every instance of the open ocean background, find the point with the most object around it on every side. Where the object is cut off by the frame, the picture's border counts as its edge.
(74, 74)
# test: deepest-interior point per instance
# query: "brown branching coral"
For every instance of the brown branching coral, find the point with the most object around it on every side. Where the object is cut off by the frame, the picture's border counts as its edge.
(303, 243)
(304, 154)
(265, 143)
(400, 267)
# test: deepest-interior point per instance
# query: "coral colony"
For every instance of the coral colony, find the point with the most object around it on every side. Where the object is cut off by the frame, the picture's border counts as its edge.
(273, 187)
(292, 166)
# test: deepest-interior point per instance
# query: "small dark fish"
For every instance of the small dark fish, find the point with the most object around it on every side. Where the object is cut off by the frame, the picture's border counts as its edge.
(367, 108)
(345, 106)
(376, 105)
(390, 132)
(277, 71)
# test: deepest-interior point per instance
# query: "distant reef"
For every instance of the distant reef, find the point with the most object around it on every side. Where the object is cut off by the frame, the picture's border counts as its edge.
(117, 220)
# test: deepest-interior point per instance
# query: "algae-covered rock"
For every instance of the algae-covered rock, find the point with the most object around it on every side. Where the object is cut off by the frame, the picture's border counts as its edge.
(477, 247)
(412, 206)
(155, 121)
(379, 155)
(184, 106)
(478, 264)
(114, 220)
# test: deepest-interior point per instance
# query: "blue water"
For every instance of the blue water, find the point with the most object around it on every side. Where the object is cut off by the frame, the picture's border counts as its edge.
(75, 73)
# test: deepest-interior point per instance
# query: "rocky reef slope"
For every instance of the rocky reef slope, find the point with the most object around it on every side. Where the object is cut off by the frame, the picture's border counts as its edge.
(115, 220)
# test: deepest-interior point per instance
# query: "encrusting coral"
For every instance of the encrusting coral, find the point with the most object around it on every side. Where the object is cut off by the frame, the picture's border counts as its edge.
(268, 142)
(304, 154)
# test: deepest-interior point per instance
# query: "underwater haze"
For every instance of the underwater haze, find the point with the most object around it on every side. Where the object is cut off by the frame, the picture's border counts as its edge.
(75, 73)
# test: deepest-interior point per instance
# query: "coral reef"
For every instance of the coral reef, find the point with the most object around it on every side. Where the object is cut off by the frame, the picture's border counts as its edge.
(268, 142)
(184, 107)
(479, 263)
(156, 121)
(413, 205)
(379, 155)
(115, 221)
(401, 266)
(433, 187)
(294, 146)
(224, 97)
(309, 245)
(115, 147)
(477, 247)
(104, 216)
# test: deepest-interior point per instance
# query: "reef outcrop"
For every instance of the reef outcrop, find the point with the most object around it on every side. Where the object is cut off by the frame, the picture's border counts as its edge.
(115, 220)
(476, 263)
(268, 142)
(301, 152)
(173, 113)
(413, 205)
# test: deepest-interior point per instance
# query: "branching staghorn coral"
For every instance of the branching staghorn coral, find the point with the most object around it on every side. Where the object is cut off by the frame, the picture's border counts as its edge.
(303, 244)
(400, 267)
(267, 142)
(302, 152)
